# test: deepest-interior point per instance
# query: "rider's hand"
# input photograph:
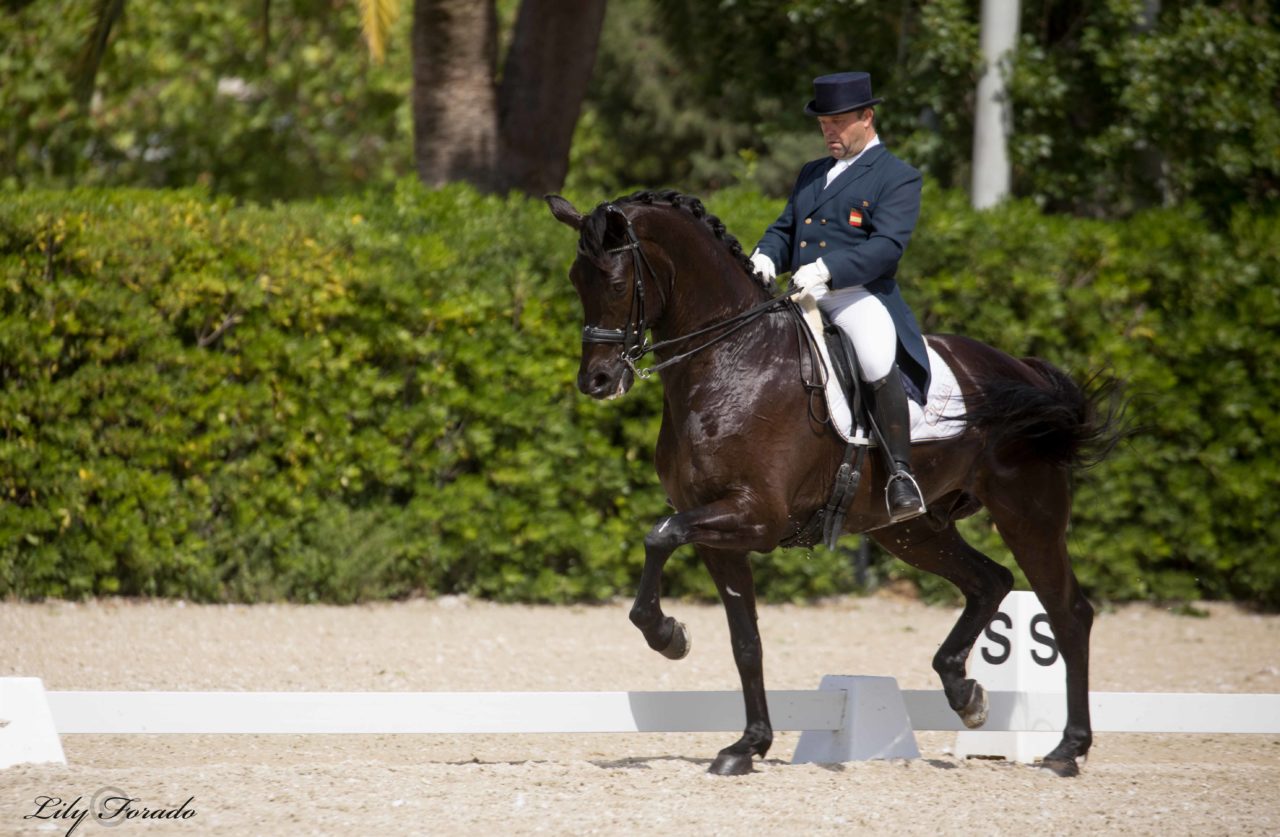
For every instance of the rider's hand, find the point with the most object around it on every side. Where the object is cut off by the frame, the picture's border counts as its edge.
(811, 276)
(764, 266)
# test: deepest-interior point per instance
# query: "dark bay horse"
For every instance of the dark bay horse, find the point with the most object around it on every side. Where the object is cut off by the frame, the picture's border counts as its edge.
(746, 463)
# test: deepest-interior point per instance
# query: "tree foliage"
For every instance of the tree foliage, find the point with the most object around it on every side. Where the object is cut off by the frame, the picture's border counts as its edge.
(709, 94)
(199, 93)
(1112, 112)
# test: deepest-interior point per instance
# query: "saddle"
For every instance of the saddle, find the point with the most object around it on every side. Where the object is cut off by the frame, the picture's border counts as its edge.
(844, 361)
(827, 523)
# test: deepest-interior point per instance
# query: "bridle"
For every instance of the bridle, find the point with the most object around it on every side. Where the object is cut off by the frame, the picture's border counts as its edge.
(632, 336)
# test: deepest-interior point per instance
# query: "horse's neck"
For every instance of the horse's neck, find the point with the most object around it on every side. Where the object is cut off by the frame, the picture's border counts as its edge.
(707, 285)
(716, 359)
(702, 295)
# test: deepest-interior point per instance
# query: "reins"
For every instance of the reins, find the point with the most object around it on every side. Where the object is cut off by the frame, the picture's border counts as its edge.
(632, 337)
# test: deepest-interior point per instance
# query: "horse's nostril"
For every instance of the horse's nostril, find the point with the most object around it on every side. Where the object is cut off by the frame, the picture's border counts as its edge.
(600, 382)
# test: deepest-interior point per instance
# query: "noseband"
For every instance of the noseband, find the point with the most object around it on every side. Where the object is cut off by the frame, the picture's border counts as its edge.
(632, 337)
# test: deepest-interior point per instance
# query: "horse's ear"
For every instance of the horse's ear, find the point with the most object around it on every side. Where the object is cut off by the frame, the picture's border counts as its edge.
(564, 211)
(616, 223)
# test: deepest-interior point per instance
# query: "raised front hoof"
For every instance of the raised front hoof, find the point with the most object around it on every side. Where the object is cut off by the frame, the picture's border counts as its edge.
(681, 642)
(974, 713)
(731, 764)
(1065, 768)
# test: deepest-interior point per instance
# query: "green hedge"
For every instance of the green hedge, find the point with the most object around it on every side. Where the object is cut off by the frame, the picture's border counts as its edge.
(375, 397)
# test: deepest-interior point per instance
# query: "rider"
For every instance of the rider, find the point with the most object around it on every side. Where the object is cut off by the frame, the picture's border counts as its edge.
(845, 227)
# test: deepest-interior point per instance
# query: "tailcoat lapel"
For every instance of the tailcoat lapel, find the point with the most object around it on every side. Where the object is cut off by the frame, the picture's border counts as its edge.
(849, 175)
(811, 193)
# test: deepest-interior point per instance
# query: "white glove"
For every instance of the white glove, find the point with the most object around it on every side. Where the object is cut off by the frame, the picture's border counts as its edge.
(764, 266)
(811, 276)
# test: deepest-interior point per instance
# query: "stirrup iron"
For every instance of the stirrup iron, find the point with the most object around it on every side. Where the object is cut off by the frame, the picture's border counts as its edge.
(903, 474)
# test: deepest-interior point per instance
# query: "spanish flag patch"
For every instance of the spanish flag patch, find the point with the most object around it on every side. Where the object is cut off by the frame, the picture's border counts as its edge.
(855, 218)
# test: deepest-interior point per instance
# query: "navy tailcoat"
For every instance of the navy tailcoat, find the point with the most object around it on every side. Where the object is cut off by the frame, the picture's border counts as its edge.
(859, 226)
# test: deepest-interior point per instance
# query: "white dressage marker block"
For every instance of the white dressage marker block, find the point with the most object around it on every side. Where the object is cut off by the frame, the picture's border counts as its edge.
(876, 724)
(27, 733)
(1017, 653)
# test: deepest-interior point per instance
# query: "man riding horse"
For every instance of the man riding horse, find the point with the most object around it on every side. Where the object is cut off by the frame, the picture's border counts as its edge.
(841, 235)
(737, 386)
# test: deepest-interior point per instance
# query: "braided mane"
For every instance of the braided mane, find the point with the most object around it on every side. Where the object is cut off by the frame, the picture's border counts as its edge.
(594, 225)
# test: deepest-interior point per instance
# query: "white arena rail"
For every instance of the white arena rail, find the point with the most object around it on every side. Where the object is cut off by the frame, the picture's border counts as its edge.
(849, 718)
(431, 712)
(608, 712)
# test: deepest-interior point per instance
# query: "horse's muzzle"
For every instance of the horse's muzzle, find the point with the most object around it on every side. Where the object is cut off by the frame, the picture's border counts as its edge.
(605, 380)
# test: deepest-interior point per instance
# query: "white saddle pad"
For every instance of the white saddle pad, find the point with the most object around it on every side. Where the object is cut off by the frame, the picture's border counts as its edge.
(943, 399)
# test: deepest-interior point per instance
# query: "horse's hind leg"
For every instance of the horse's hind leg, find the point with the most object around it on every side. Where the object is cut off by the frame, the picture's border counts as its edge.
(1034, 525)
(984, 584)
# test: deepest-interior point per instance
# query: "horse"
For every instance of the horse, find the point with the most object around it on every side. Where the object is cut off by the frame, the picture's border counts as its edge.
(745, 460)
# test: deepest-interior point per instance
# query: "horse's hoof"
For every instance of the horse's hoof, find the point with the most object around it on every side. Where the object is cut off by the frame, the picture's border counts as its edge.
(731, 764)
(1065, 768)
(974, 713)
(681, 642)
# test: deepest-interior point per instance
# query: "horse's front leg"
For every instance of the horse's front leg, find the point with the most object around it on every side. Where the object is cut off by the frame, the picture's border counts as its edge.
(732, 574)
(664, 634)
(725, 534)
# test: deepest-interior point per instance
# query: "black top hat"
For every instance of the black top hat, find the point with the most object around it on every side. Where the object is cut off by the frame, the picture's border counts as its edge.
(841, 93)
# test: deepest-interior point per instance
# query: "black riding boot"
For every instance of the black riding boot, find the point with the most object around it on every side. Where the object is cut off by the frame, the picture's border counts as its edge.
(889, 409)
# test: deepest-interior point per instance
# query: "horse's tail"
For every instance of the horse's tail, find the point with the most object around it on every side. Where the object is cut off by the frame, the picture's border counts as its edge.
(1053, 418)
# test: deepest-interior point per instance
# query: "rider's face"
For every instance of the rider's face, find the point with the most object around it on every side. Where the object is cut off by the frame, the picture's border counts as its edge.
(847, 133)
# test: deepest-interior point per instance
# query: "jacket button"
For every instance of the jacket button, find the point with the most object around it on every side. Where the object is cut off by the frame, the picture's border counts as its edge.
(810, 221)
(823, 221)
(822, 244)
(804, 244)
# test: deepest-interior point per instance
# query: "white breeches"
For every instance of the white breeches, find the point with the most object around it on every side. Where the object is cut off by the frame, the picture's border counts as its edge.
(862, 316)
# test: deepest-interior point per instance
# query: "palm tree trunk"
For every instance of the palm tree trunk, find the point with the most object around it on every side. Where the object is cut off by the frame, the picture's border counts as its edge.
(516, 138)
(455, 115)
(544, 81)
